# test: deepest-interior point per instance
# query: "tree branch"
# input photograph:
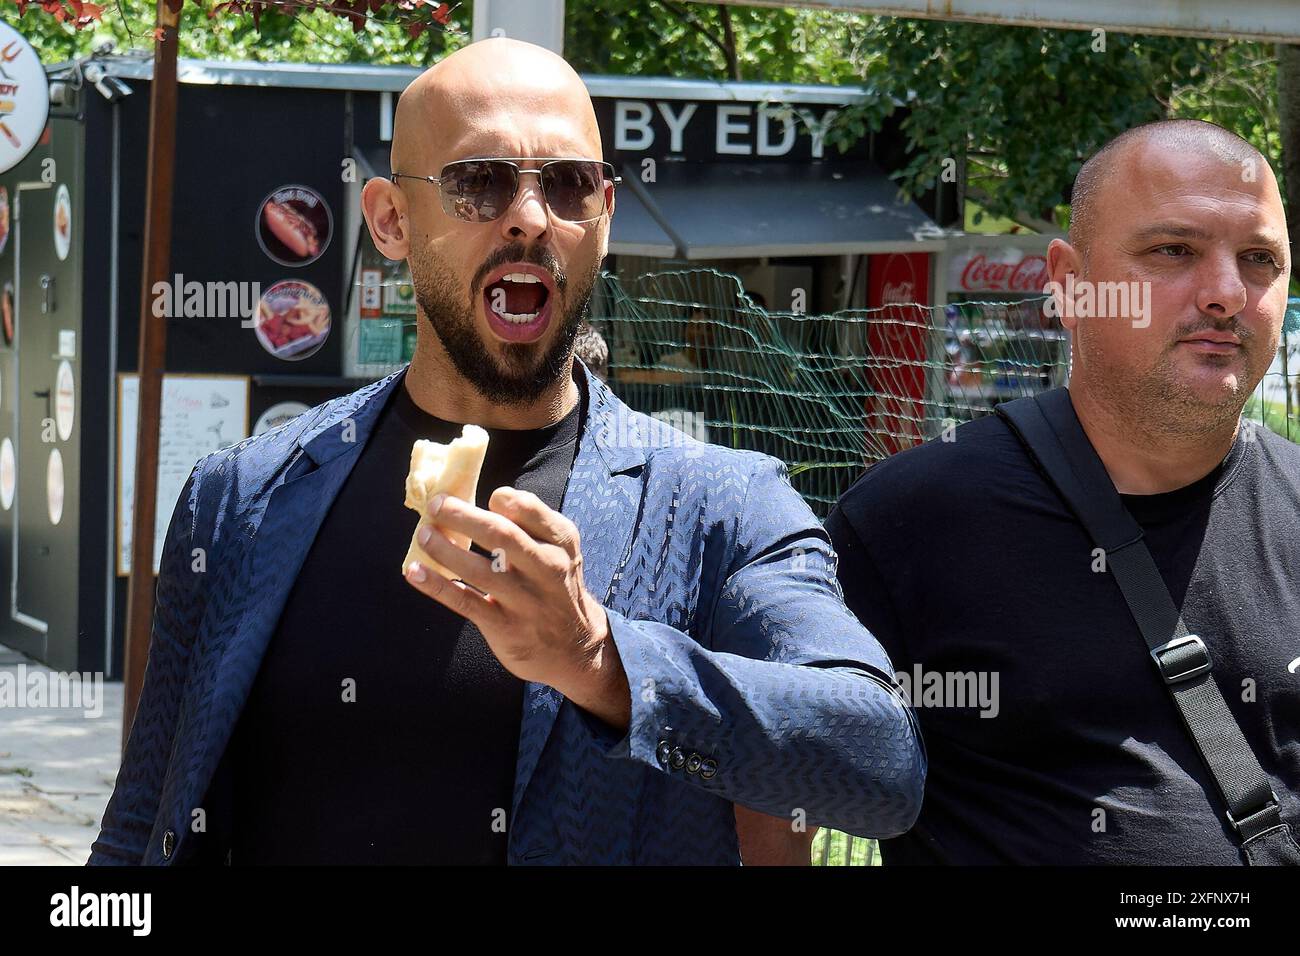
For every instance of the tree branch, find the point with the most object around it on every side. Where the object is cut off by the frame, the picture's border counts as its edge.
(729, 33)
(1036, 223)
(690, 21)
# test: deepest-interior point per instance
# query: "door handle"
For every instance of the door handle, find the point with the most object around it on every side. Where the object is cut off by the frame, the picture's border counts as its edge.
(47, 302)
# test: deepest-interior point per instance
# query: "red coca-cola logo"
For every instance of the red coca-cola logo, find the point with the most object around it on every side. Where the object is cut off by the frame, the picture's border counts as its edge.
(1027, 274)
(898, 280)
(898, 293)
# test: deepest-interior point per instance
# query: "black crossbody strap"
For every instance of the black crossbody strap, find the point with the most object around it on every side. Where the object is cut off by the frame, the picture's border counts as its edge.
(1050, 431)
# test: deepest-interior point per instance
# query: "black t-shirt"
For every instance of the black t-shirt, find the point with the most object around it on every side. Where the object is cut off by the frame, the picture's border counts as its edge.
(380, 728)
(968, 567)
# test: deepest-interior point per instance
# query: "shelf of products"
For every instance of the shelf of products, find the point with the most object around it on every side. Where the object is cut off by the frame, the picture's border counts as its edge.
(387, 309)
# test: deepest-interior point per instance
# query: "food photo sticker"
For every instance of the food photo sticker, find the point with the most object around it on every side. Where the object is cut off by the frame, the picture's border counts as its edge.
(293, 319)
(8, 473)
(65, 400)
(62, 222)
(24, 98)
(277, 415)
(4, 219)
(7, 313)
(294, 224)
(54, 486)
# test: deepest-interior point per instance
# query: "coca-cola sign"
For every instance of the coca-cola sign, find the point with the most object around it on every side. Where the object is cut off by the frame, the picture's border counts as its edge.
(898, 293)
(898, 340)
(998, 270)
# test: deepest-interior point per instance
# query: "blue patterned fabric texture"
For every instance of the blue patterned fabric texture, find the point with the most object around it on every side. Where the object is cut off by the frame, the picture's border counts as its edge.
(750, 680)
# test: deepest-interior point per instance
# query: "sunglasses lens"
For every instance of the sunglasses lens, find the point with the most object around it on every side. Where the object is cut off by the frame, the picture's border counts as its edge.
(575, 189)
(478, 190)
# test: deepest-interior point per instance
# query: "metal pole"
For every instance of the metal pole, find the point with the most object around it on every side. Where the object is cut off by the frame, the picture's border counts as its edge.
(1286, 382)
(153, 353)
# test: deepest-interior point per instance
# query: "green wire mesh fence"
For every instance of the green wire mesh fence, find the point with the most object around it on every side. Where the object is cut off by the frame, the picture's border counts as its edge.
(828, 394)
(831, 393)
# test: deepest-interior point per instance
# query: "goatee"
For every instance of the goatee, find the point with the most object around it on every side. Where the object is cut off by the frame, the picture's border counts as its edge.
(525, 370)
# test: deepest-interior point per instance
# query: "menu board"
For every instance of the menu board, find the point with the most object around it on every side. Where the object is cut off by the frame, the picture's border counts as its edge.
(200, 414)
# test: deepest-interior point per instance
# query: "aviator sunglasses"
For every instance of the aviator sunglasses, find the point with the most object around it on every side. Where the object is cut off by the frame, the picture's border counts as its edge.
(480, 190)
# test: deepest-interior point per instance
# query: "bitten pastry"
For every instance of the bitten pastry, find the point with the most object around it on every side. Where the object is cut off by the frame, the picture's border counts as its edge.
(451, 469)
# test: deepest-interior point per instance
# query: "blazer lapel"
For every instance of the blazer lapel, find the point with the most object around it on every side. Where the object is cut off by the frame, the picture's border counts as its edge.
(602, 498)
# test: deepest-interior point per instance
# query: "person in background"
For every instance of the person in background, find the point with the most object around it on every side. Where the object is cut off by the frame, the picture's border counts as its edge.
(1065, 746)
(590, 346)
(694, 355)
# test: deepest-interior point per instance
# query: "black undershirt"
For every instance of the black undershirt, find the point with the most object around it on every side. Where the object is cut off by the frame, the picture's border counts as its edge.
(420, 767)
(962, 560)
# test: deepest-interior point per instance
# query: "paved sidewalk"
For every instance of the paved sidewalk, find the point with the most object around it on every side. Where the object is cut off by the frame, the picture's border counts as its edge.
(57, 768)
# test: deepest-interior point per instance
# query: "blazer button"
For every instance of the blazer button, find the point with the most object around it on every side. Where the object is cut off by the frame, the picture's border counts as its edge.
(663, 751)
(693, 763)
(677, 758)
(708, 768)
(169, 844)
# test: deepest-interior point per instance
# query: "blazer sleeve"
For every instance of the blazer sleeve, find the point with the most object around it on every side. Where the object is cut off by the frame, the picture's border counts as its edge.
(787, 704)
(129, 818)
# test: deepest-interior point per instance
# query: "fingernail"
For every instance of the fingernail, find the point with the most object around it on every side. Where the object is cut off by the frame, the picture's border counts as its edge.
(435, 503)
(416, 571)
(424, 535)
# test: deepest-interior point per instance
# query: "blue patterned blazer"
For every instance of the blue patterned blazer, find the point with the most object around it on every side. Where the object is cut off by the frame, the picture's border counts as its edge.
(751, 682)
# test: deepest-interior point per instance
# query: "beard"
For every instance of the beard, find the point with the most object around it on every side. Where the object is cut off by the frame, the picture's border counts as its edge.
(525, 370)
(1162, 402)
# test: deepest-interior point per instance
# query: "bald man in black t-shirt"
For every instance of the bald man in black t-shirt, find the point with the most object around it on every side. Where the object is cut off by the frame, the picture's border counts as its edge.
(1050, 736)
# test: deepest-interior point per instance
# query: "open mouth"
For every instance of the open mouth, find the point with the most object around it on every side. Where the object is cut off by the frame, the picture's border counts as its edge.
(517, 300)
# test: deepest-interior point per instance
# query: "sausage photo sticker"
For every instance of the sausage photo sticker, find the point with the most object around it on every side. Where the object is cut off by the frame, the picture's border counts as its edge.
(294, 225)
(62, 222)
(293, 319)
(7, 313)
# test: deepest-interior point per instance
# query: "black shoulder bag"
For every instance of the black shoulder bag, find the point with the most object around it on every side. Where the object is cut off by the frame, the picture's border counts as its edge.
(1050, 431)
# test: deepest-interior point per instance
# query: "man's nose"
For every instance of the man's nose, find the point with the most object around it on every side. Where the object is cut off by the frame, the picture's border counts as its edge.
(1222, 292)
(527, 219)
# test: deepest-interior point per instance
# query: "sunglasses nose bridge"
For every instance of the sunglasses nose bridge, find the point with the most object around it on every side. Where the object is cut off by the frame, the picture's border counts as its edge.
(522, 184)
(527, 191)
(533, 187)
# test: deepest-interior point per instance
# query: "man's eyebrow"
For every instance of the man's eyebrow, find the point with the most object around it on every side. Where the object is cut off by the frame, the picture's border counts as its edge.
(1271, 241)
(1170, 230)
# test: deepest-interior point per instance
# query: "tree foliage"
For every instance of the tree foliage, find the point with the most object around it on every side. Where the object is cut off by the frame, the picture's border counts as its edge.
(1025, 107)
(416, 32)
(1022, 107)
(680, 39)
